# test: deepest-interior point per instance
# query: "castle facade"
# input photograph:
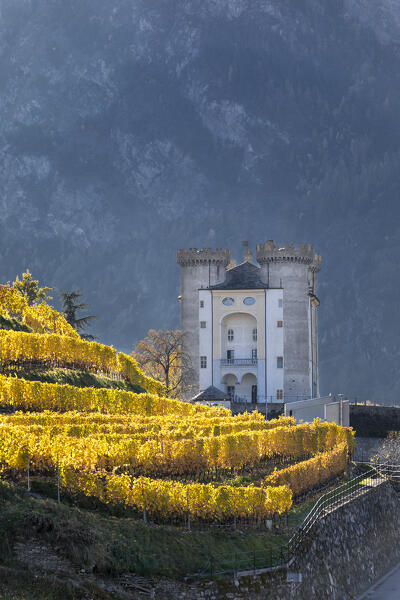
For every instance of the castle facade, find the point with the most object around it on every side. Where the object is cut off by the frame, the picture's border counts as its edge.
(251, 330)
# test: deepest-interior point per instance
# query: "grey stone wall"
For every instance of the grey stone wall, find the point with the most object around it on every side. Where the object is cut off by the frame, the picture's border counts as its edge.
(199, 269)
(367, 447)
(348, 549)
(295, 270)
(374, 421)
(274, 409)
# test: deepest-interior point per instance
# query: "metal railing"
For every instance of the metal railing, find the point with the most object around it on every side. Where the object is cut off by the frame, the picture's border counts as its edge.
(281, 556)
(331, 500)
(239, 362)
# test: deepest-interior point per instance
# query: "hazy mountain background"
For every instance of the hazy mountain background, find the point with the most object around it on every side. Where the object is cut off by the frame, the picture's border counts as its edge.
(130, 128)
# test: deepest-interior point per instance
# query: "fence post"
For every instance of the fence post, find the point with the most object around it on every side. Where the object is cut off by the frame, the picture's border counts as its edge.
(28, 473)
(188, 509)
(58, 480)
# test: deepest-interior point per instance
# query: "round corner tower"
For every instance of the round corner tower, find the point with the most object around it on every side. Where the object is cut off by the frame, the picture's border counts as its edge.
(294, 270)
(199, 270)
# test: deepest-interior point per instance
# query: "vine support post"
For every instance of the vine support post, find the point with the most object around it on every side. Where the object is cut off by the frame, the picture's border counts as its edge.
(188, 509)
(58, 480)
(28, 473)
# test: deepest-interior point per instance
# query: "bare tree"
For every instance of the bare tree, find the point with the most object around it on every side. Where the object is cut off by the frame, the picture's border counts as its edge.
(161, 356)
(389, 452)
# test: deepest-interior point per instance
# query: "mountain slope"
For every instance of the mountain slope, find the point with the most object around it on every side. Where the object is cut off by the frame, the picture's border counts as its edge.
(134, 127)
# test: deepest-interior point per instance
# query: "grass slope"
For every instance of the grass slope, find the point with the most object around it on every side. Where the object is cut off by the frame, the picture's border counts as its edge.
(104, 543)
(13, 324)
(76, 378)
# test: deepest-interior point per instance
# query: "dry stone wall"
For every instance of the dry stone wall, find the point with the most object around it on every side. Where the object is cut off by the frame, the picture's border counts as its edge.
(348, 549)
(374, 421)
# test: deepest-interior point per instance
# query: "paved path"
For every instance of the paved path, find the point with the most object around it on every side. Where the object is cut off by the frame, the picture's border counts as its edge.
(387, 588)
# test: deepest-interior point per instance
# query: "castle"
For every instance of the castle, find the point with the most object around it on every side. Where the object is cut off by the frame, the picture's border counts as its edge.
(251, 331)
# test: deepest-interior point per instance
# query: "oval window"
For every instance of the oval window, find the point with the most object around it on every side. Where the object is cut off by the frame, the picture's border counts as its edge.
(228, 301)
(249, 301)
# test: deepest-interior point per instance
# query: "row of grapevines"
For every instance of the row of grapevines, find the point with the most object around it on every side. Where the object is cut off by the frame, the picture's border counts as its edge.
(311, 473)
(42, 318)
(163, 498)
(55, 350)
(82, 424)
(20, 394)
(168, 456)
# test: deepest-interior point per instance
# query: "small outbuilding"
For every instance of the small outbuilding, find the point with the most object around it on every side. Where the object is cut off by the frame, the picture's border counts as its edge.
(213, 396)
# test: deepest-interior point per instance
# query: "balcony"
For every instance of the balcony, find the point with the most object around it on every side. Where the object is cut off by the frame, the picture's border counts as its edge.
(239, 362)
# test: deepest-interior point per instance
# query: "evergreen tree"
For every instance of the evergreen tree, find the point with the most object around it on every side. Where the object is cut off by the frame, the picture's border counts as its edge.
(71, 305)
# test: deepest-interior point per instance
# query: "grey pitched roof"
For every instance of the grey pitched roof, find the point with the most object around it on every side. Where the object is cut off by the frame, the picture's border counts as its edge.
(243, 277)
(211, 393)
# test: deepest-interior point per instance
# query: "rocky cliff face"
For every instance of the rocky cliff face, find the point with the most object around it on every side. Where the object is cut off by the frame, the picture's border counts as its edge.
(133, 127)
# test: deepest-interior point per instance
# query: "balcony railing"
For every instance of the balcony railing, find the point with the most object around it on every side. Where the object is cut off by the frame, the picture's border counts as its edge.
(238, 362)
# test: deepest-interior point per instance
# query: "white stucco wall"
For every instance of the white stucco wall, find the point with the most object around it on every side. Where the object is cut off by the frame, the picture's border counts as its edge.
(274, 337)
(205, 338)
(242, 325)
(242, 319)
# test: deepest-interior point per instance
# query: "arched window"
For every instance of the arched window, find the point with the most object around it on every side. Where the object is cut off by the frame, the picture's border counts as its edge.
(254, 335)
(230, 335)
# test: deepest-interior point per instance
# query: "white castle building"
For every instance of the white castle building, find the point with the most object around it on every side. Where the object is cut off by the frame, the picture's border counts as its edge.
(251, 331)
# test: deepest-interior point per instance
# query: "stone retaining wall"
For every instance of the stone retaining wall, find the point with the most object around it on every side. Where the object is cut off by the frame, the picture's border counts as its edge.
(348, 549)
(374, 421)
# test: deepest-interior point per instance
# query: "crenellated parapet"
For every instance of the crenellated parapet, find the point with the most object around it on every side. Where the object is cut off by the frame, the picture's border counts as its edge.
(275, 253)
(205, 256)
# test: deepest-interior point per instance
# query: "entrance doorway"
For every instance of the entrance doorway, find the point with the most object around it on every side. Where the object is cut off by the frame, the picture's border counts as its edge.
(254, 393)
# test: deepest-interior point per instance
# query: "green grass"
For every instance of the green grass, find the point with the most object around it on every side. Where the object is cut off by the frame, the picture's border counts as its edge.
(104, 545)
(110, 544)
(13, 324)
(76, 378)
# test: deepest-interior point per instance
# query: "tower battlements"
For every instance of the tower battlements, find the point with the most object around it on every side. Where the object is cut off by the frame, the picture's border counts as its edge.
(204, 256)
(275, 253)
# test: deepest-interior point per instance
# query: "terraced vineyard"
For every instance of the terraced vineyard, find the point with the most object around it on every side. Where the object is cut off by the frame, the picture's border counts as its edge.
(163, 458)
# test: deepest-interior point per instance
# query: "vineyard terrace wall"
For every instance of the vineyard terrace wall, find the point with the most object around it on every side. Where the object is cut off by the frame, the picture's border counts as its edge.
(349, 549)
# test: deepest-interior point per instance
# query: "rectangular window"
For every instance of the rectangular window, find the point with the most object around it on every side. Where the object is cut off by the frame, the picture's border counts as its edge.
(254, 335)
(280, 302)
(203, 362)
(254, 353)
(279, 394)
(201, 303)
(279, 324)
(202, 324)
(279, 362)
(231, 391)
